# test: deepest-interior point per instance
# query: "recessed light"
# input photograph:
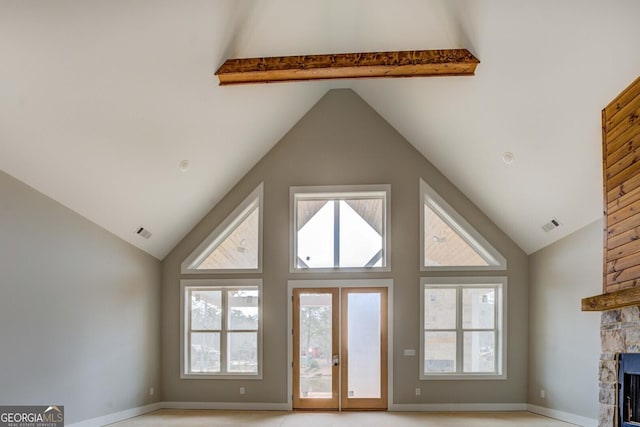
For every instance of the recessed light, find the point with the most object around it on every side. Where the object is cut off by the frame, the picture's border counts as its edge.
(508, 157)
(184, 165)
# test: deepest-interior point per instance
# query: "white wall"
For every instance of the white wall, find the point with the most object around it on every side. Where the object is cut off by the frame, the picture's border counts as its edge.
(79, 310)
(564, 342)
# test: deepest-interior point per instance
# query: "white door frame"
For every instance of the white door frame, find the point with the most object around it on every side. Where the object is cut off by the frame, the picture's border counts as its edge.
(339, 284)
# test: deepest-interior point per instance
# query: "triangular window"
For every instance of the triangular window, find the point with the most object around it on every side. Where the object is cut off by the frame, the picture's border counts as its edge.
(236, 244)
(449, 242)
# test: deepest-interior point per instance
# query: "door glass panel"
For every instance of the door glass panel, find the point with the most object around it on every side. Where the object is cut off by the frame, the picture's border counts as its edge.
(315, 346)
(364, 345)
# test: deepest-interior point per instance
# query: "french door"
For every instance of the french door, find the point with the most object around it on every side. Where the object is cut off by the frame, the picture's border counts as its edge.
(340, 348)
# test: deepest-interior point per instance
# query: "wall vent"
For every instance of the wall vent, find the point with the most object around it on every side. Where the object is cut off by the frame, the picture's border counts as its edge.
(141, 231)
(551, 225)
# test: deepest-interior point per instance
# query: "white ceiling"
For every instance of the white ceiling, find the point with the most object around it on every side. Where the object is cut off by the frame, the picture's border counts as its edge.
(101, 100)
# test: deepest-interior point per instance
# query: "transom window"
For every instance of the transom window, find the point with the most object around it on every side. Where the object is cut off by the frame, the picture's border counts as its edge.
(222, 328)
(339, 227)
(463, 328)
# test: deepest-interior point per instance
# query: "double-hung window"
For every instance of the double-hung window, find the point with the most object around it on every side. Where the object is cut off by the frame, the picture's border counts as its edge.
(221, 328)
(463, 329)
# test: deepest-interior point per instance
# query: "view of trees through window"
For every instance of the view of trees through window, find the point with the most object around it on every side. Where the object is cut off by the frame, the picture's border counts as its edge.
(315, 345)
(219, 343)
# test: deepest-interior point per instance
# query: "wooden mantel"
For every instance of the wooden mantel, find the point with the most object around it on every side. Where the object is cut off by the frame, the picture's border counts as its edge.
(611, 300)
(415, 63)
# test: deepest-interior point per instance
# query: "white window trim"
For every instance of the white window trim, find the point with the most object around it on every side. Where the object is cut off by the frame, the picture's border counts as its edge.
(339, 192)
(184, 325)
(189, 265)
(501, 363)
(429, 196)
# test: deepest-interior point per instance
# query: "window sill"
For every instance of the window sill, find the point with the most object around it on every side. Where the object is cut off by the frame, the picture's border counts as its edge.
(439, 268)
(463, 377)
(221, 376)
(340, 270)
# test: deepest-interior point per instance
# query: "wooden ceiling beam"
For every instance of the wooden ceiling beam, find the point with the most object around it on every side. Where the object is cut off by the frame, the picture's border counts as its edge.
(415, 63)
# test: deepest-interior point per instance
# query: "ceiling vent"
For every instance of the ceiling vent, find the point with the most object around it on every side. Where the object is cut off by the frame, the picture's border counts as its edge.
(551, 225)
(141, 231)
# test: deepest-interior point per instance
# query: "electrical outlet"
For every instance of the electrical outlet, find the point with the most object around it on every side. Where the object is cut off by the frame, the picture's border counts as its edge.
(241, 390)
(542, 394)
(418, 391)
(151, 391)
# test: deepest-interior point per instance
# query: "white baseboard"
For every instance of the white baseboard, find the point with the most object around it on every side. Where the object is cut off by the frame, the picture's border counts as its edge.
(117, 416)
(457, 407)
(141, 410)
(240, 406)
(563, 416)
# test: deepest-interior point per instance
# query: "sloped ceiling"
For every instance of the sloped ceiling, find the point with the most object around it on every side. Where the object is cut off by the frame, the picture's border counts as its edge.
(101, 100)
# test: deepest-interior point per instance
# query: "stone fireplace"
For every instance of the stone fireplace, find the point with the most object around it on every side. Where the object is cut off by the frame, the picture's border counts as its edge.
(620, 333)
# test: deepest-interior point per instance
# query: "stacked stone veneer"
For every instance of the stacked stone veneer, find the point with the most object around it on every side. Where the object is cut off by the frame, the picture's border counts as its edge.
(620, 333)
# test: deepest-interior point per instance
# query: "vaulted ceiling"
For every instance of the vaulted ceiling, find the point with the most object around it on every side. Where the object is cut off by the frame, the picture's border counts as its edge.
(100, 101)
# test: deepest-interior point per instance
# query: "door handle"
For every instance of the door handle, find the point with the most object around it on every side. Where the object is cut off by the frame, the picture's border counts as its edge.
(336, 360)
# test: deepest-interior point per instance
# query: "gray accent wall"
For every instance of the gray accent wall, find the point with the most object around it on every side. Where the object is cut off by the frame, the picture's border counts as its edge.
(564, 342)
(79, 310)
(342, 140)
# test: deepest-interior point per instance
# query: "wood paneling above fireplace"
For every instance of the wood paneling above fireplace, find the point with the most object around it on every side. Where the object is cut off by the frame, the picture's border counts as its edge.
(621, 179)
(621, 165)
